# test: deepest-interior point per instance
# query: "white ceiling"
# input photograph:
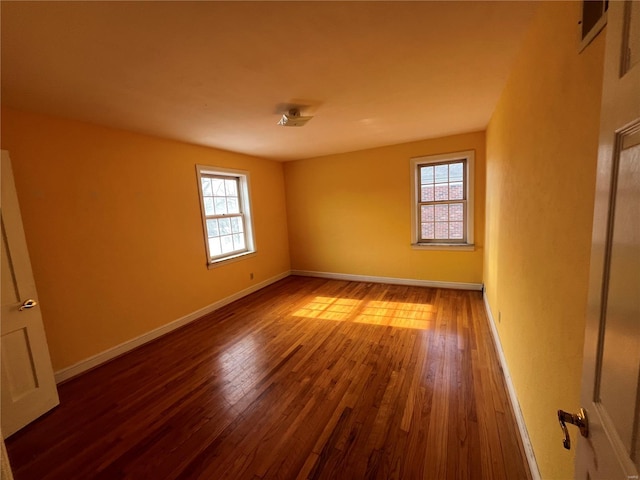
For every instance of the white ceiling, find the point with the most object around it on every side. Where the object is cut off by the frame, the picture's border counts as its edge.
(222, 73)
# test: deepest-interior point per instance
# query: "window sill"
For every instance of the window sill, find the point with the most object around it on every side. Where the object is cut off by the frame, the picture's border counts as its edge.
(454, 247)
(234, 258)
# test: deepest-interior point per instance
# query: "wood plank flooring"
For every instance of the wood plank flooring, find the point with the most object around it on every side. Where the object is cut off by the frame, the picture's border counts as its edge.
(306, 379)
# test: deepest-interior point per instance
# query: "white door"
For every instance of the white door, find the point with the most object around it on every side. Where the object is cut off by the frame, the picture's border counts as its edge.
(611, 376)
(28, 385)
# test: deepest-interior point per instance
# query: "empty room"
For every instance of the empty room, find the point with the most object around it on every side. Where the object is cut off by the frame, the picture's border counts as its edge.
(320, 240)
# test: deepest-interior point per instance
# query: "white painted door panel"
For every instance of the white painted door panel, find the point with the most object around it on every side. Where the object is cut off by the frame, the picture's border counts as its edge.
(28, 384)
(611, 375)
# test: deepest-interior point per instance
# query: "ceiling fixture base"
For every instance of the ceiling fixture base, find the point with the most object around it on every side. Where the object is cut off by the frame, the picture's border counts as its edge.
(293, 119)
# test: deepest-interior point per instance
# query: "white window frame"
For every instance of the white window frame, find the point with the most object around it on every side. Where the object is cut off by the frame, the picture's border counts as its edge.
(585, 38)
(416, 163)
(242, 177)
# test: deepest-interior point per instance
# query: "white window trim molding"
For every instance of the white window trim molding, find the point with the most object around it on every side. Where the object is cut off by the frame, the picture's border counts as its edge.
(584, 42)
(469, 155)
(244, 183)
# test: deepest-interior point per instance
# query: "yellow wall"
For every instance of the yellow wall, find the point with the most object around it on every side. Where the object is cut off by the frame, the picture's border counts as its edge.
(113, 226)
(113, 223)
(541, 157)
(351, 213)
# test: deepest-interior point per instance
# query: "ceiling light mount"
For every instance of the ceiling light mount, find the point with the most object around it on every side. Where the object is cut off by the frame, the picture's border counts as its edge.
(293, 118)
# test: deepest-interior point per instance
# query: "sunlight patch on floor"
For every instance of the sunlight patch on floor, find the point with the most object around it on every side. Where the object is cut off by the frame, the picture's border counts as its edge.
(383, 313)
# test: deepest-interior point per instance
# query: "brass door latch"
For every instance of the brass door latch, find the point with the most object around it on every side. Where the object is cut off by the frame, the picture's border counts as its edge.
(28, 303)
(580, 420)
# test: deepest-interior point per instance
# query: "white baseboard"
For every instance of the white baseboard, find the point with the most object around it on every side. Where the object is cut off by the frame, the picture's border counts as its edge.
(513, 397)
(390, 280)
(109, 354)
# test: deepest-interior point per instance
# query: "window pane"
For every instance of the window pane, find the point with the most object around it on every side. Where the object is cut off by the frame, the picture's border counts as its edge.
(236, 224)
(456, 191)
(455, 230)
(442, 192)
(426, 175)
(218, 187)
(442, 213)
(238, 241)
(221, 205)
(231, 187)
(208, 206)
(428, 231)
(427, 214)
(442, 173)
(212, 228)
(227, 244)
(456, 212)
(206, 187)
(442, 230)
(214, 246)
(232, 205)
(427, 193)
(225, 226)
(456, 172)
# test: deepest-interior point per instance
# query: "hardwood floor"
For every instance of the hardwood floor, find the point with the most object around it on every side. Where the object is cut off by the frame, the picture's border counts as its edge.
(307, 378)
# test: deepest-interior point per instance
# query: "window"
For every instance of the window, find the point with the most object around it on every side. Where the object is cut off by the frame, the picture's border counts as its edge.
(226, 213)
(442, 207)
(594, 18)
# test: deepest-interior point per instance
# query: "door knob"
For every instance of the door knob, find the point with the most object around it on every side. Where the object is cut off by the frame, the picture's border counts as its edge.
(28, 303)
(580, 420)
